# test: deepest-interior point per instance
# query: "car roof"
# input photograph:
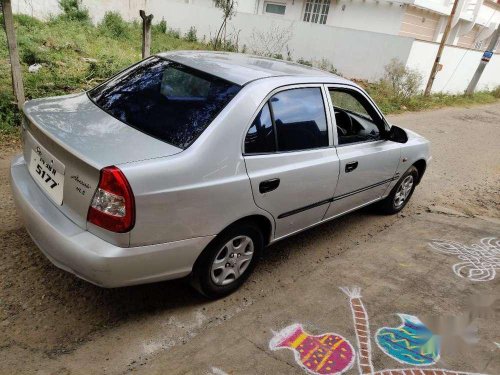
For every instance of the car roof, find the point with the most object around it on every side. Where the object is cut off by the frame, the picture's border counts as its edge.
(241, 68)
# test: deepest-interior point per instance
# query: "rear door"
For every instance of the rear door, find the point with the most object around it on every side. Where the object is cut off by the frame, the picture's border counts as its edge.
(368, 162)
(289, 157)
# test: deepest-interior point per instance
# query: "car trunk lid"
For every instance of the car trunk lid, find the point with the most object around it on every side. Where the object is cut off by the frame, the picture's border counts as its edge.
(68, 140)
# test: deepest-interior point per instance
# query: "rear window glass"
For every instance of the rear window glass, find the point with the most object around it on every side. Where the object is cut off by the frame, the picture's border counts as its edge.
(166, 100)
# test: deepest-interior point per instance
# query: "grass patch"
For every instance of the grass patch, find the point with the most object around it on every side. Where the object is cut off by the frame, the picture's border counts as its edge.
(390, 104)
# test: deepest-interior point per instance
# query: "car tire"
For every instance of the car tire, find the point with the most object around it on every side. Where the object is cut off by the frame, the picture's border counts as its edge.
(217, 273)
(400, 193)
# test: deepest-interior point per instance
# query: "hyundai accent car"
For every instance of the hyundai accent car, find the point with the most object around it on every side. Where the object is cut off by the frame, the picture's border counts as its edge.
(191, 163)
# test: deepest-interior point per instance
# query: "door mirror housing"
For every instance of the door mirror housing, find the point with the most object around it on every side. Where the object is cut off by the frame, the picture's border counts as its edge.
(396, 134)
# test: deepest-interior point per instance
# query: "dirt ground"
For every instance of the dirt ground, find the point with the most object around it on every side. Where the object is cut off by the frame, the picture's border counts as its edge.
(53, 323)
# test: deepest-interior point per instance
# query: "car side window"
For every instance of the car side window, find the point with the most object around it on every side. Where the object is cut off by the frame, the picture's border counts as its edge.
(300, 119)
(260, 137)
(291, 120)
(355, 117)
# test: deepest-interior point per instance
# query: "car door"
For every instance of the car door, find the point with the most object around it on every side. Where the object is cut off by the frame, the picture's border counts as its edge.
(368, 162)
(290, 158)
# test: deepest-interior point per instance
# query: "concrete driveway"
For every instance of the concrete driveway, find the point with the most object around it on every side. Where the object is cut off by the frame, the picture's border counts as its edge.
(427, 263)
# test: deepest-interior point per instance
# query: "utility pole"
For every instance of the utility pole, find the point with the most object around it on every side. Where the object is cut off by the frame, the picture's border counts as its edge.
(146, 33)
(15, 65)
(487, 55)
(440, 50)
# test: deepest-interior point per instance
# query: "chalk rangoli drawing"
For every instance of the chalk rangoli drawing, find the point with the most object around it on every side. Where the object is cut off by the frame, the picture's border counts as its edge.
(479, 262)
(217, 371)
(324, 354)
(411, 343)
(292, 337)
(362, 329)
(363, 334)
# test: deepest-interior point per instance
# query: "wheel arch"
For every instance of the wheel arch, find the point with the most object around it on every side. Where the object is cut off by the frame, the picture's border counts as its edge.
(261, 221)
(264, 224)
(421, 166)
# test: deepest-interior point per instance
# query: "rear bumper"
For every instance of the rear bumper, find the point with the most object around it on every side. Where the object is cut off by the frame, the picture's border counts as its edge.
(78, 251)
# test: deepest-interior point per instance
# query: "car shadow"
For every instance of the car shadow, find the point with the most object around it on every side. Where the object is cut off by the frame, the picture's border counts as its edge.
(57, 312)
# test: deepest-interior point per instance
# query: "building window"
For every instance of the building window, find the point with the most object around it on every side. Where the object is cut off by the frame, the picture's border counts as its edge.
(478, 45)
(275, 8)
(316, 11)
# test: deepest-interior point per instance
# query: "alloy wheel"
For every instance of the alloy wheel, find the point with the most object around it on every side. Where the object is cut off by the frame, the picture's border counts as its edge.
(403, 191)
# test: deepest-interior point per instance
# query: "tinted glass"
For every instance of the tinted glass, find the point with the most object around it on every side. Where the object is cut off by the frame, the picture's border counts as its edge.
(354, 123)
(260, 136)
(164, 99)
(300, 119)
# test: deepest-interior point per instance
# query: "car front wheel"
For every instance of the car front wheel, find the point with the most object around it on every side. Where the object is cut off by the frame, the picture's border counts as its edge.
(401, 193)
(228, 260)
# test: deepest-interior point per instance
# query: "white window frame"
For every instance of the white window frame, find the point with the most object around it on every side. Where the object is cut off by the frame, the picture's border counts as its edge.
(316, 11)
(283, 4)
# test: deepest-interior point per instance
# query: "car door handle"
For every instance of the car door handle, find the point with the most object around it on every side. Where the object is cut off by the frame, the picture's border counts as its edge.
(269, 185)
(349, 167)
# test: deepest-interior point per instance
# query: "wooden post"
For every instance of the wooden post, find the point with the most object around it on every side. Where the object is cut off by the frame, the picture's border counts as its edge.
(435, 67)
(146, 33)
(15, 65)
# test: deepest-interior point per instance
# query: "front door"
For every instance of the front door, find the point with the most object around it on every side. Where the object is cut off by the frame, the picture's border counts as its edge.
(368, 162)
(289, 157)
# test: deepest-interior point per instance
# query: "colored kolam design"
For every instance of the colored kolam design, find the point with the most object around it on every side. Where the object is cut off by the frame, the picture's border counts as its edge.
(324, 354)
(360, 318)
(411, 343)
(478, 262)
(422, 371)
(363, 336)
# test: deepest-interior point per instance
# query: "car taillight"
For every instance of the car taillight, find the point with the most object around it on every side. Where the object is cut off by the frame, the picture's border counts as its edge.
(113, 206)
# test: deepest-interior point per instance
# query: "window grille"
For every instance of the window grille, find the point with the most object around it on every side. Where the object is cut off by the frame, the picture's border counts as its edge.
(316, 11)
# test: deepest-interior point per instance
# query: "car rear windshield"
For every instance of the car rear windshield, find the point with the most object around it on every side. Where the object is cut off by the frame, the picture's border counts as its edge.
(164, 99)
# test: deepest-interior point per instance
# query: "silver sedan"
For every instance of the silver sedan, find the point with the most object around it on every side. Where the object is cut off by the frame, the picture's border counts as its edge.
(191, 163)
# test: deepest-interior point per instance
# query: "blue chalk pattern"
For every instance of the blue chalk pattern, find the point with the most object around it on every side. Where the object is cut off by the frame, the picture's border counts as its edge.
(411, 343)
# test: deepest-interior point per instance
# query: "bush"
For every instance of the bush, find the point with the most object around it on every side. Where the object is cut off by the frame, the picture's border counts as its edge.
(324, 64)
(403, 81)
(174, 33)
(73, 11)
(191, 35)
(304, 62)
(161, 27)
(496, 92)
(114, 25)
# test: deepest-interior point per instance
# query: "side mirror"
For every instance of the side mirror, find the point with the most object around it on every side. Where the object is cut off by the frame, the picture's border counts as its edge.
(396, 134)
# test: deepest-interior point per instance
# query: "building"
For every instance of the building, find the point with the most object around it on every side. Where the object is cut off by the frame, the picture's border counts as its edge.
(474, 24)
(358, 37)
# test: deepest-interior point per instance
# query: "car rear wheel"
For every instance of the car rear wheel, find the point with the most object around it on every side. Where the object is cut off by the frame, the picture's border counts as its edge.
(401, 193)
(228, 260)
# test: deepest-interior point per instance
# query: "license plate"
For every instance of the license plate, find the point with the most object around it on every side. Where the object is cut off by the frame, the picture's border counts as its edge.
(48, 172)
